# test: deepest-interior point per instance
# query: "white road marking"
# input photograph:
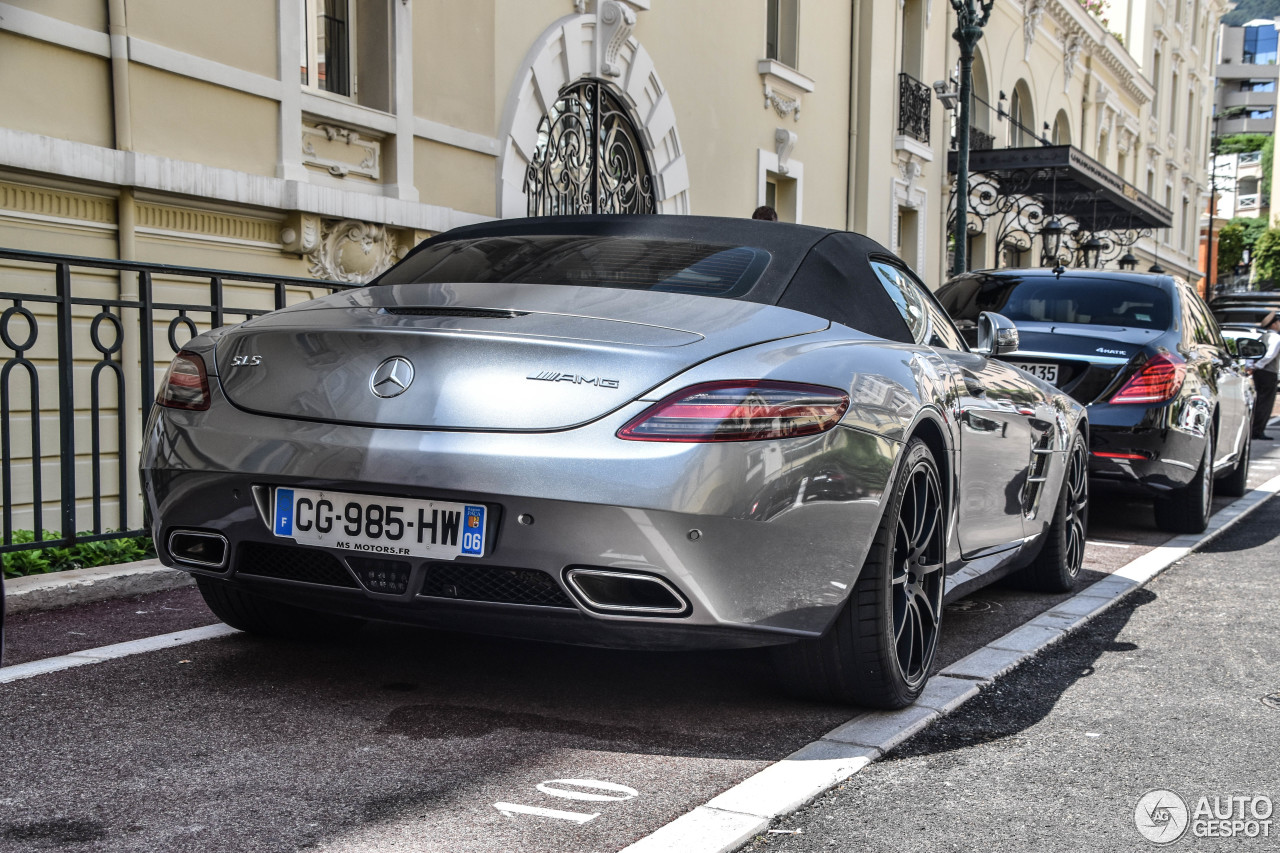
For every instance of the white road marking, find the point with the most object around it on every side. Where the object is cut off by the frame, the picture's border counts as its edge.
(569, 794)
(513, 809)
(118, 650)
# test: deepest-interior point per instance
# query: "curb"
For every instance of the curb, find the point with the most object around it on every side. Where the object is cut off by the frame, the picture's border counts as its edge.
(84, 586)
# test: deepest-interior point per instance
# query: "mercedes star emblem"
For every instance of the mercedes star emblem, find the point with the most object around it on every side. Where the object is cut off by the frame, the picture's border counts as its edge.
(392, 377)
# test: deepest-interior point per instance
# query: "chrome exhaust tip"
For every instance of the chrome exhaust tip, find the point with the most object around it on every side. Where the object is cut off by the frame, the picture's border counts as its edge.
(625, 593)
(199, 548)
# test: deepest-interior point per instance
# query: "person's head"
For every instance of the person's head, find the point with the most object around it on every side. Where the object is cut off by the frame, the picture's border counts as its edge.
(1271, 321)
(765, 212)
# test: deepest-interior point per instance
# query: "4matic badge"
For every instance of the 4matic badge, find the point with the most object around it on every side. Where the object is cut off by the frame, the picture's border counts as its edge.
(575, 378)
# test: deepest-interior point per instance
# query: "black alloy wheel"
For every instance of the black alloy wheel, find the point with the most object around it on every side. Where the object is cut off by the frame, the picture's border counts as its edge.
(879, 651)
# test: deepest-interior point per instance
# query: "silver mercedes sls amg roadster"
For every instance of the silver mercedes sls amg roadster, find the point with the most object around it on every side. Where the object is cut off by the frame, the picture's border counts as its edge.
(650, 431)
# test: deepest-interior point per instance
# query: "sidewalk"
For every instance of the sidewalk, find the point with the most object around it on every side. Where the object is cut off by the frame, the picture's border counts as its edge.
(1176, 690)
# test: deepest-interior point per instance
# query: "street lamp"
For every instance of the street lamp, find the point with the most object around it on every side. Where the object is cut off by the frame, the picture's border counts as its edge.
(1092, 250)
(1050, 242)
(971, 17)
(1128, 261)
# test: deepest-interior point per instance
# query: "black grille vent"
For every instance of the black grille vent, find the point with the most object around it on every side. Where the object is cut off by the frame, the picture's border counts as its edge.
(291, 563)
(494, 583)
(386, 576)
(428, 311)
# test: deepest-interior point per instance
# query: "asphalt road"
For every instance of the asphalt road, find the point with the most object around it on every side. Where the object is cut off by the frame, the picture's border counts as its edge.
(1178, 688)
(403, 739)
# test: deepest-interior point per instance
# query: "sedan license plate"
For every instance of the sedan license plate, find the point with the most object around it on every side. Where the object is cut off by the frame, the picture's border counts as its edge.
(399, 527)
(1047, 372)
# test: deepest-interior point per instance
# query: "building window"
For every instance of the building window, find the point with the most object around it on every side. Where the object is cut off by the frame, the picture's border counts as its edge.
(782, 38)
(1257, 85)
(327, 46)
(348, 50)
(1155, 83)
(1259, 45)
(1267, 113)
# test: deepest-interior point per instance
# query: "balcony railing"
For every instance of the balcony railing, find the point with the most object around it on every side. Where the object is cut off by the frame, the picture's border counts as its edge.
(1248, 202)
(76, 356)
(914, 104)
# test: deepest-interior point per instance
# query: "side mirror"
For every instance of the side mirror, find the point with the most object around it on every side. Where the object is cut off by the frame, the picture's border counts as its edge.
(1250, 348)
(996, 334)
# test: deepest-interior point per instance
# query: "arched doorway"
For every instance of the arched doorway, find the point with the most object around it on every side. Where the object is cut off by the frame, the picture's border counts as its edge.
(589, 157)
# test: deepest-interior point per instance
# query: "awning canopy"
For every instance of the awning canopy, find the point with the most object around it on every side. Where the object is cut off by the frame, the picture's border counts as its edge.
(1067, 182)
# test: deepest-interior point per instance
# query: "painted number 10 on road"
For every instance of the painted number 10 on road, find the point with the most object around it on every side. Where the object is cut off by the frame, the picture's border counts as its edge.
(583, 790)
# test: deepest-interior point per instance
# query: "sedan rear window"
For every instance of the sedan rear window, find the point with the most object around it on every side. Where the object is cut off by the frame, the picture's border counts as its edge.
(589, 261)
(1093, 301)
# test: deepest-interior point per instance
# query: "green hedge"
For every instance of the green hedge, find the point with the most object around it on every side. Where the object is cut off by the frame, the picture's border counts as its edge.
(82, 555)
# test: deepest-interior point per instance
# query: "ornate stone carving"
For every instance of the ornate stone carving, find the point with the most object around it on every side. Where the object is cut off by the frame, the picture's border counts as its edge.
(785, 141)
(783, 87)
(1071, 47)
(580, 6)
(782, 105)
(353, 251)
(1032, 13)
(615, 22)
(341, 151)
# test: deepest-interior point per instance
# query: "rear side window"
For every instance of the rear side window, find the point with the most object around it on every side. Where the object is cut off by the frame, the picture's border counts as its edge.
(1092, 301)
(673, 266)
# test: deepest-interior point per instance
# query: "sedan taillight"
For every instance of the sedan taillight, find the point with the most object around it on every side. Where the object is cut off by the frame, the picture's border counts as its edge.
(740, 410)
(185, 386)
(1157, 381)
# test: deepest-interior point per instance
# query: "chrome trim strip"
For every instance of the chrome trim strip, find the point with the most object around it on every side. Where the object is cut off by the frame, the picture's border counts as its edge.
(1058, 356)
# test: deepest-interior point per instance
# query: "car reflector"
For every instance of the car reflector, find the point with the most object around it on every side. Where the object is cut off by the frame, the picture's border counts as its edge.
(740, 410)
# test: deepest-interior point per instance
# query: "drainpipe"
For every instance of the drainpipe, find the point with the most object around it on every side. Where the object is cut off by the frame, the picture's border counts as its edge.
(126, 236)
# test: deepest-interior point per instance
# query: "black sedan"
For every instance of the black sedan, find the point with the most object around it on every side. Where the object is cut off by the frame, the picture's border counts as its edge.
(1168, 404)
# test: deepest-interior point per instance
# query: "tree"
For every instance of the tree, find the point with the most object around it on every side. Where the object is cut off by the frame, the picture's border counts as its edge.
(1266, 256)
(1242, 143)
(1230, 246)
(1249, 10)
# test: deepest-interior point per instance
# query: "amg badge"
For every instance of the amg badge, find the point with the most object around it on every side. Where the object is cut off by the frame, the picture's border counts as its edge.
(575, 378)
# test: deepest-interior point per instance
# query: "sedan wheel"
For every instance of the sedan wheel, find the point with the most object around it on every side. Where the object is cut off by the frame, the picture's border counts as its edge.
(880, 650)
(1187, 510)
(1235, 484)
(1061, 556)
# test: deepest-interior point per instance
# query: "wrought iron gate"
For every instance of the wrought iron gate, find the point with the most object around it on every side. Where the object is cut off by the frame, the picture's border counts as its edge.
(589, 157)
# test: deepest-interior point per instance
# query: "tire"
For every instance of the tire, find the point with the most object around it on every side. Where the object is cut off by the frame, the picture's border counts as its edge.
(880, 649)
(1061, 557)
(254, 614)
(1187, 509)
(1235, 484)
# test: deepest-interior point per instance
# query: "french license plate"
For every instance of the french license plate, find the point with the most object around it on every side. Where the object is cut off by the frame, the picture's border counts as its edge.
(399, 527)
(1047, 372)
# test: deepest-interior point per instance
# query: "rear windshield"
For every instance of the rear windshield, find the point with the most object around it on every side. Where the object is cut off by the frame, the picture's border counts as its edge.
(676, 266)
(1051, 300)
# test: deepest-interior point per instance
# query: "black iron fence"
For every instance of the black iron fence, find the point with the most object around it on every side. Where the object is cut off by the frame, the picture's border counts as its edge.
(94, 328)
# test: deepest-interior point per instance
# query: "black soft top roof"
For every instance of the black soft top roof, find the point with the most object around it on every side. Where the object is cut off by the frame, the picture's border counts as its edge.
(820, 271)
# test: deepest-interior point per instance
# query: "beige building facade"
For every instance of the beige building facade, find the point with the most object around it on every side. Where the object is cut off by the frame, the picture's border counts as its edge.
(324, 138)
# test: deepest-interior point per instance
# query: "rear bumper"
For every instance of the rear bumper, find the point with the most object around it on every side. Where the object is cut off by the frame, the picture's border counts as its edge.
(1144, 454)
(763, 539)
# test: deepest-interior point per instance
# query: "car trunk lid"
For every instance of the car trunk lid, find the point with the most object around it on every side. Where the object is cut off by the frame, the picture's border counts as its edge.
(1088, 358)
(503, 357)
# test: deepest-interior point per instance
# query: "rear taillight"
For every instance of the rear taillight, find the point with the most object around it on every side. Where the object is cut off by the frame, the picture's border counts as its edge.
(741, 410)
(185, 386)
(1157, 381)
